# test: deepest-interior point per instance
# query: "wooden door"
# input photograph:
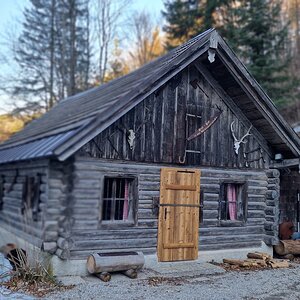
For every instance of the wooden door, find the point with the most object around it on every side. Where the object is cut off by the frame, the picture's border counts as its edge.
(178, 214)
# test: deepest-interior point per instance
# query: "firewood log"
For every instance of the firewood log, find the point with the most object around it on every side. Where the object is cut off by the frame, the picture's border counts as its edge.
(288, 247)
(278, 263)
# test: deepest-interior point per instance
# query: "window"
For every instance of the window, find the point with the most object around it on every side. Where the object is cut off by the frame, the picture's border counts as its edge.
(233, 202)
(118, 203)
(31, 197)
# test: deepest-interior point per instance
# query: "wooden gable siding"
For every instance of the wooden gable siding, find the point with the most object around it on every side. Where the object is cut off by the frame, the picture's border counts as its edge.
(159, 123)
(87, 234)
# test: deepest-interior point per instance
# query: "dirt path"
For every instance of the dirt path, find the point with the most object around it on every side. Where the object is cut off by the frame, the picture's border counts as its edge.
(266, 284)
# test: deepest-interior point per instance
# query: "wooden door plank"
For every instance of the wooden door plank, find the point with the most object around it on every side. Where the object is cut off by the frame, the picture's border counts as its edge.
(179, 222)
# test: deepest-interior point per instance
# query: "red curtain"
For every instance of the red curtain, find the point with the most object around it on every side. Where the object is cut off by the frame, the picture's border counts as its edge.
(231, 198)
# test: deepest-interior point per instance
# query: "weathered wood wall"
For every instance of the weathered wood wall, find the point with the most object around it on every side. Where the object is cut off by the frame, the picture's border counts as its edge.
(87, 235)
(160, 127)
(11, 217)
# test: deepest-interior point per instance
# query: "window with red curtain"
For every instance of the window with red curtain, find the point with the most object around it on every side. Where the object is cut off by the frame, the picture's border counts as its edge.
(233, 202)
(117, 201)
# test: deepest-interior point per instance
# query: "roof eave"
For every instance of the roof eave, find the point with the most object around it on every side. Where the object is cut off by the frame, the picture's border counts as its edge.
(267, 107)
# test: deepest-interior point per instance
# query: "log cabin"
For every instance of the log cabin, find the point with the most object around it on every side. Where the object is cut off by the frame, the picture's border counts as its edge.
(179, 159)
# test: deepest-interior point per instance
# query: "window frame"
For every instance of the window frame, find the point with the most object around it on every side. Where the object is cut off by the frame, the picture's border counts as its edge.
(242, 202)
(135, 200)
(31, 199)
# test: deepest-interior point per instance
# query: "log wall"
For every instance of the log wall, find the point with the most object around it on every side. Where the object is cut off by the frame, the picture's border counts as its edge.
(87, 234)
(162, 122)
(59, 210)
(11, 217)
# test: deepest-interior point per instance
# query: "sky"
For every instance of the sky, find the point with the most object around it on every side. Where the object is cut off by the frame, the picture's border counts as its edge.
(11, 10)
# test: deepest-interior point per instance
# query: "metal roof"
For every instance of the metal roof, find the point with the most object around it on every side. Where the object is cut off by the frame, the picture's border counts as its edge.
(39, 148)
(90, 112)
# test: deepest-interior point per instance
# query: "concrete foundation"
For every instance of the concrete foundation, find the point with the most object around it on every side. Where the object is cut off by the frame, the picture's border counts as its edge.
(78, 267)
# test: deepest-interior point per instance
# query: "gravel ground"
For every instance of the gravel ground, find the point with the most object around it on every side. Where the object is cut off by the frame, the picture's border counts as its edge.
(250, 285)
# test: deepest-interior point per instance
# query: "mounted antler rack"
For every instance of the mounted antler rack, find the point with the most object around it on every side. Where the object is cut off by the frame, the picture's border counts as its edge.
(237, 142)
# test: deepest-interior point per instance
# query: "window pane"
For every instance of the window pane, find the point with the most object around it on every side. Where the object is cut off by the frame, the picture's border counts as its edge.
(119, 209)
(108, 184)
(116, 199)
(106, 210)
(120, 187)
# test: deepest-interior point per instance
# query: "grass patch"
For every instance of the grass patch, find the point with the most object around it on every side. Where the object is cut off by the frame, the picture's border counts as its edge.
(34, 278)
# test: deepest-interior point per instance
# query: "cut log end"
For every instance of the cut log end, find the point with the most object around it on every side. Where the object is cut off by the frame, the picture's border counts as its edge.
(288, 247)
(91, 264)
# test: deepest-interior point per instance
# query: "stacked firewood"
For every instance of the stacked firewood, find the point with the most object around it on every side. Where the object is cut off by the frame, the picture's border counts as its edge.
(257, 260)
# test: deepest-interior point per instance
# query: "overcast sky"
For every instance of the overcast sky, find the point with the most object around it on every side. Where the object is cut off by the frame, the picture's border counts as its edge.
(11, 11)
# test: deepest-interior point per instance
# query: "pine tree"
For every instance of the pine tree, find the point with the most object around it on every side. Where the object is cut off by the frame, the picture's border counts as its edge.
(259, 40)
(183, 21)
(52, 53)
(72, 43)
(32, 53)
(186, 19)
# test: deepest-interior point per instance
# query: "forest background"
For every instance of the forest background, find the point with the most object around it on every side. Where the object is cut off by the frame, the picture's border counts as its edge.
(63, 47)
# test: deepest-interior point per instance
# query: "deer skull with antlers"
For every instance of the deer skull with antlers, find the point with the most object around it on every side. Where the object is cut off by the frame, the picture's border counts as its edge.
(237, 142)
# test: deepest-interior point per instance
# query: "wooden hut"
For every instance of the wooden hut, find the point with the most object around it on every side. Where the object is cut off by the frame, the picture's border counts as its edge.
(174, 158)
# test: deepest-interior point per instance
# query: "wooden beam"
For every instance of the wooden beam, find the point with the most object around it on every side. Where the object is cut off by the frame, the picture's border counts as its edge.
(286, 163)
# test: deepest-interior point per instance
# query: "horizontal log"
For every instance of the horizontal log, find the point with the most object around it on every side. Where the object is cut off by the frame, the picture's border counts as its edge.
(50, 236)
(87, 184)
(49, 247)
(113, 262)
(227, 231)
(273, 173)
(288, 247)
(50, 225)
(258, 255)
(235, 245)
(64, 243)
(270, 210)
(115, 244)
(256, 214)
(274, 181)
(210, 214)
(256, 206)
(279, 263)
(132, 233)
(63, 254)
